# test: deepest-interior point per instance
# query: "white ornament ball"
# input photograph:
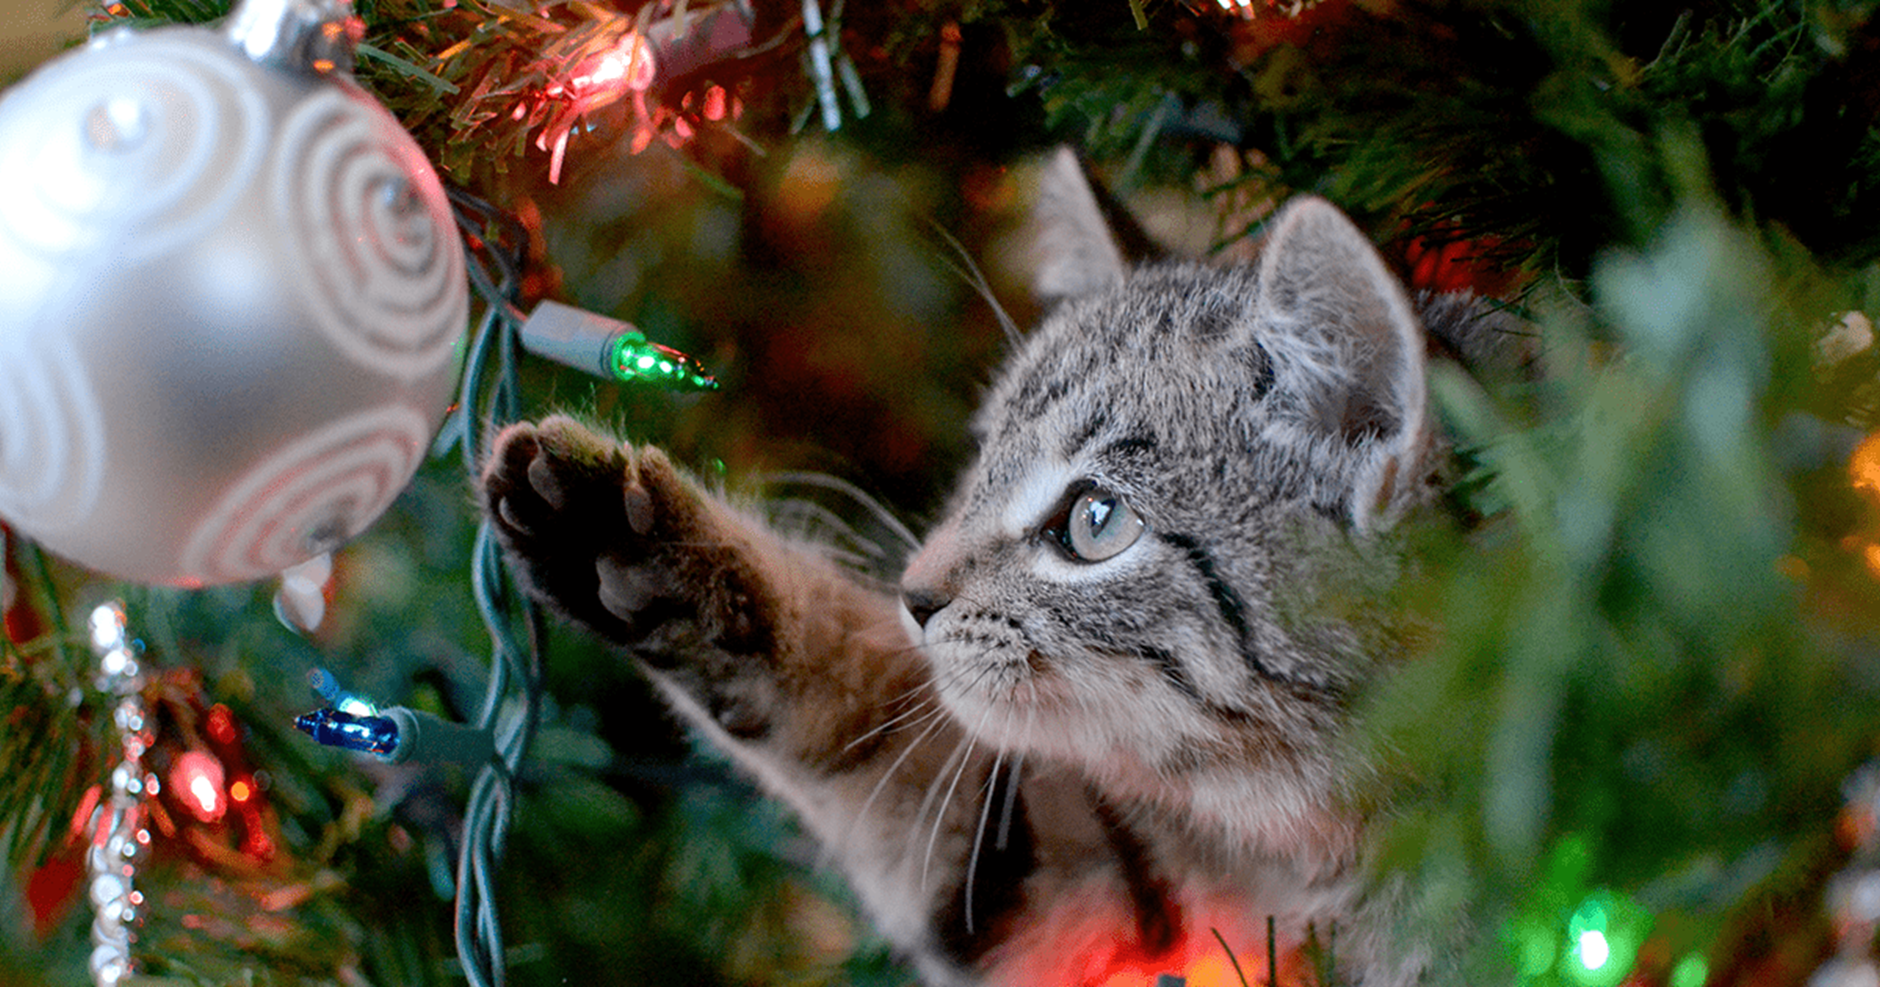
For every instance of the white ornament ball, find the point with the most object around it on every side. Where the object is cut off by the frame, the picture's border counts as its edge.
(232, 300)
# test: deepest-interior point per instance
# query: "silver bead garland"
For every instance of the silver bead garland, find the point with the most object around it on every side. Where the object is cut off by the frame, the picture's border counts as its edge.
(119, 836)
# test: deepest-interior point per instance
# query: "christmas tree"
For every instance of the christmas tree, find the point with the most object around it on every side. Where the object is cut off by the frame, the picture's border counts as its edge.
(1631, 746)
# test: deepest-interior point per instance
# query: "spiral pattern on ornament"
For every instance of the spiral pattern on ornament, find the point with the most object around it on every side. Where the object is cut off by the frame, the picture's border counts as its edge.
(131, 149)
(309, 497)
(52, 447)
(382, 269)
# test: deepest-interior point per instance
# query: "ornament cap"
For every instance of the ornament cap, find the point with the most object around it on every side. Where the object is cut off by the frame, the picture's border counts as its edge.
(318, 36)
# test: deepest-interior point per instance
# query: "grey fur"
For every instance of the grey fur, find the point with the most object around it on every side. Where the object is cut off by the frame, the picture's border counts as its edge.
(1076, 762)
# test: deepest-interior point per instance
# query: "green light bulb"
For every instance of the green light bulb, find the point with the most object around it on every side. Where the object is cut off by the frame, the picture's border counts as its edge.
(1594, 950)
(635, 359)
(1603, 937)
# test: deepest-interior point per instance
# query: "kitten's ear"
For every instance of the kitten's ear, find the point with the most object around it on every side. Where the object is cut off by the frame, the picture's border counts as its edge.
(1352, 349)
(1068, 239)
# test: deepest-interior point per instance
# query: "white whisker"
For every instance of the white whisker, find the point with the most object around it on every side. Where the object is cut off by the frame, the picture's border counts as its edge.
(961, 751)
(970, 273)
(937, 718)
(972, 737)
(979, 832)
(940, 811)
(798, 514)
(887, 725)
(855, 493)
(1011, 800)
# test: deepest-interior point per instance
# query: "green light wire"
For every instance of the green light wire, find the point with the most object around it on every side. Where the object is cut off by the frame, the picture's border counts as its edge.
(512, 701)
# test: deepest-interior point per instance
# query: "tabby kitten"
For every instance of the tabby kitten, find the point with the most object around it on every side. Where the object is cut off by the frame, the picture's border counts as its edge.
(1105, 717)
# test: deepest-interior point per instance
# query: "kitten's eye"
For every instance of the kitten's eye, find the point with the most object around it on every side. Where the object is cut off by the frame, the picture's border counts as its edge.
(1098, 526)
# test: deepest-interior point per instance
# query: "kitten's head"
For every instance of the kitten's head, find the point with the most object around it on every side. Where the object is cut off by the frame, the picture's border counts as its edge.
(1148, 569)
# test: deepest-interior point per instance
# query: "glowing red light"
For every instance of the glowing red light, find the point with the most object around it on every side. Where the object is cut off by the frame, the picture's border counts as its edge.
(220, 724)
(207, 798)
(240, 790)
(197, 778)
(629, 64)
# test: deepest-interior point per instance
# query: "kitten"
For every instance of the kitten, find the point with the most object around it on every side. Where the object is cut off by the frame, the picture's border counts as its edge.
(1105, 719)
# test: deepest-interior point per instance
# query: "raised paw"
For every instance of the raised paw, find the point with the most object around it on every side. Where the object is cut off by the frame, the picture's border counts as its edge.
(591, 526)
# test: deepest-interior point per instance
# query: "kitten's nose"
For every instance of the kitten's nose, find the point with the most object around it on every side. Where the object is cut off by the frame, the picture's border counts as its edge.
(924, 603)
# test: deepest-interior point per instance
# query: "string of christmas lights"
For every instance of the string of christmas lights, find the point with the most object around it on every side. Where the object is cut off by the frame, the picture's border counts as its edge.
(495, 741)
(512, 702)
(298, 492)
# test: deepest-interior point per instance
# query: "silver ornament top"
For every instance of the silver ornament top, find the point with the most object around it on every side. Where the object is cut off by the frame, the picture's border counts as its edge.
(308, 35)
(232, 299)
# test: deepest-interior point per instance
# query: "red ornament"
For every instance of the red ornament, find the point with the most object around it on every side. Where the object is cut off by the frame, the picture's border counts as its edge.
(1459, 264)
(22, 624)
(58, 883)
(52, 888)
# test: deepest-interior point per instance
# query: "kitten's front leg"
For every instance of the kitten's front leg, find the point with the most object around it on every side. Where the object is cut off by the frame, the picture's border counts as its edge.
(801, 673)
(772, 643)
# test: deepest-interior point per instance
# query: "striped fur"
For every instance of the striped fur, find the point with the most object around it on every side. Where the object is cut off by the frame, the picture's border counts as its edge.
(1037, 769)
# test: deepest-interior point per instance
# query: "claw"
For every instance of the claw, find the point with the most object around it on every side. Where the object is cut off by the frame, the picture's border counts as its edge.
(639, 508)
(507, 513)
(547, 485)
